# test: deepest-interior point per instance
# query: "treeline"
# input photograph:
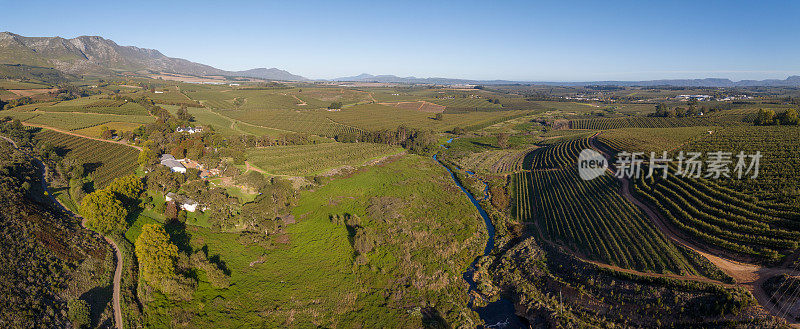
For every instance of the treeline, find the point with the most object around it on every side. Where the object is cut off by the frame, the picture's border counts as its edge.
(693, 110)
(767, 117)
(415, 141)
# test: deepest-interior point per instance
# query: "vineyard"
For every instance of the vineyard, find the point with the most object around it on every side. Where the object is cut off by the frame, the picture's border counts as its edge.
(105, 106)
(648, 122)
(75, 121)
(304, 160)
(310, 121)
(466, 103)
(103, 161)
(556, 156)
(778, 176)
(722, 217)
(653, 139)
(495, 162)
(592, 218)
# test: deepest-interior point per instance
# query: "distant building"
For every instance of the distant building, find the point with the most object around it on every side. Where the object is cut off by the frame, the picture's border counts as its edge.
(158, 92)
(234, 84)
(173, 164)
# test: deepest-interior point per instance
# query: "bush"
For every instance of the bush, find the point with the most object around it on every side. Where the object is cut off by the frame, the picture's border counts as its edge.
(78, 313)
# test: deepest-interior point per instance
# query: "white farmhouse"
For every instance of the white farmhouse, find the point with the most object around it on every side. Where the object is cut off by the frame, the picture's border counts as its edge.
(182, 201)
(174, 165)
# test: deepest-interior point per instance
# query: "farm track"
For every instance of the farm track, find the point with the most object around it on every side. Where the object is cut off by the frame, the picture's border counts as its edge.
(751, 276)
(117, 252)
(79, 135)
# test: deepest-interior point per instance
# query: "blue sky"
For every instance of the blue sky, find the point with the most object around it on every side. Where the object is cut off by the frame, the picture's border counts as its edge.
(515, 40)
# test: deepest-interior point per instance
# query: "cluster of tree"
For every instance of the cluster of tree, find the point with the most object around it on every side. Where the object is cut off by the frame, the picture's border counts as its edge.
(416, 141)
(14, 129)
(767, 117)
(276, 198)
(16, 102)
(335, 105)
(664, 111)
(158, 259)
(493, 100)
(106, 210)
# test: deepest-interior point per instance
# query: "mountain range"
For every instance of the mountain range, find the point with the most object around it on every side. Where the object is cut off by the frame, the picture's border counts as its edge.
(792, 81)
(97, 55)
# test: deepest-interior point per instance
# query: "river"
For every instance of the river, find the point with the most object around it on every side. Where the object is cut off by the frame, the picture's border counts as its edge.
(498, 314)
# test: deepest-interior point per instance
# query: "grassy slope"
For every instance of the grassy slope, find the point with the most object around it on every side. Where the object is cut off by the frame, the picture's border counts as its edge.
(313, 280)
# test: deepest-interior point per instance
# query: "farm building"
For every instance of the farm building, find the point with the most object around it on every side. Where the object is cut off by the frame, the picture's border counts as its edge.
(173, 164)
(190, 130)
(182, 201)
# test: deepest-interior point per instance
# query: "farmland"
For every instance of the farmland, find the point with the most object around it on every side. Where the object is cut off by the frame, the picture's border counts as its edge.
(653, 139)
(648, 122)
(556, 156)
(75, 121)
(305, 160)
(103, 161)
(778, 177)
(723, 218)
(593, 219)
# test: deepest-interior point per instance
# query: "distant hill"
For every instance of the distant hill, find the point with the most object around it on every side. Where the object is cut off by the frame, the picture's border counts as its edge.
(792, 81)
(97, 55)
(269, 74)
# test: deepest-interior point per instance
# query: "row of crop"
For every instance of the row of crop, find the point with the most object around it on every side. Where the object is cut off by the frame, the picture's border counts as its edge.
(556, 156)
(684, 215)
(652, 122)
(593, 218)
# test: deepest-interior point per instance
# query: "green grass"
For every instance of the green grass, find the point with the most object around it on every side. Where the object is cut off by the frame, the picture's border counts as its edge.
(313, 281)
(304, 160)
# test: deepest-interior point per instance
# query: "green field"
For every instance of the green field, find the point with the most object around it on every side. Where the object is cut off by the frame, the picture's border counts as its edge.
(305, 160)
(313, 281)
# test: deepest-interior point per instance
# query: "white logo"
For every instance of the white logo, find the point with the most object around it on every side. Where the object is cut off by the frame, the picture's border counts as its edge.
(591, 164)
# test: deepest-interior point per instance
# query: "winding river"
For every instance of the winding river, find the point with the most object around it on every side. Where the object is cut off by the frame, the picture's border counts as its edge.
(498, 314)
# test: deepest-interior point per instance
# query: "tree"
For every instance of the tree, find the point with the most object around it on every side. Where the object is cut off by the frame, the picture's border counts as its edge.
(156, 254)
(106, 133)
(765, 117)
(78, 313)
(335, 105)
(147, 157)
(502, 140)
(171, 210)
(104, 212)
(128, 189)
(439, 117)
(790, 117)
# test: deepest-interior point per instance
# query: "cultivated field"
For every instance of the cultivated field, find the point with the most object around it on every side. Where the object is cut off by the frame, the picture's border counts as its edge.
(305, 160)
(102, 161)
